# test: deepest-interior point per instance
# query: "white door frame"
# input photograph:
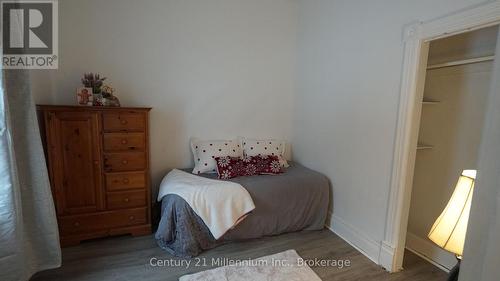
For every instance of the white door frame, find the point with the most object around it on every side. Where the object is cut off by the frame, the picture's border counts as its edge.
(417, 37)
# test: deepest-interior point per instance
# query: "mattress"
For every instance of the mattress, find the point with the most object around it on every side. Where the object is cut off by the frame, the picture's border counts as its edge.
(295, 200)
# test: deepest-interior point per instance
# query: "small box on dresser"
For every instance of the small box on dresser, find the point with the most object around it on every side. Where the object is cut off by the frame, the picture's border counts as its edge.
(98, 162)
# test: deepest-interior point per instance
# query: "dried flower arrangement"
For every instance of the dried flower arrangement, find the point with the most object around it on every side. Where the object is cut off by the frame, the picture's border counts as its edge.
(102, 94)
(94, 81)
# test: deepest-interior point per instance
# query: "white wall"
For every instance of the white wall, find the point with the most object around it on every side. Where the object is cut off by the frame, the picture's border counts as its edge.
(349, 73)
(211, 69)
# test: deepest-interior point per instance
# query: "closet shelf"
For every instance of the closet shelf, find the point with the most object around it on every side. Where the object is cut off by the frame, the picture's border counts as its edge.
(461, 62)
(430, 102)
(421, 146)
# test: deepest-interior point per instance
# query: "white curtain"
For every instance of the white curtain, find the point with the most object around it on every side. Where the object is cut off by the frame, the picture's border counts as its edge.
(29, 239)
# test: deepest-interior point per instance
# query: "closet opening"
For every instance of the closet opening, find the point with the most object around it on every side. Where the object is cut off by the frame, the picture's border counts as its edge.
(457, 85)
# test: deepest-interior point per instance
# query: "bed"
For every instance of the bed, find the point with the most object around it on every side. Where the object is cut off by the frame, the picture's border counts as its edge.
(294, 200)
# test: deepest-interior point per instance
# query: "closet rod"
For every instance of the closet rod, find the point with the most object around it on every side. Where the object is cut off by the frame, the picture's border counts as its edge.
(461, 62)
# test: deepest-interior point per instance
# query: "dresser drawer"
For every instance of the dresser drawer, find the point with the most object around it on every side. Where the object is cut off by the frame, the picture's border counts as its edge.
(99, 221)
(126, 199)
(125, 181)
(124, 122)
(124, 141)
(124, 161)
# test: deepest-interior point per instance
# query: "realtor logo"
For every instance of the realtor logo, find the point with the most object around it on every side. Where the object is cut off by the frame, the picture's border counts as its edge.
(29, 34)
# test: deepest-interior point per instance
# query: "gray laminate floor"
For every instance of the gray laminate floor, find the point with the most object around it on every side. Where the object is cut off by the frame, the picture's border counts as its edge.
(128, 258)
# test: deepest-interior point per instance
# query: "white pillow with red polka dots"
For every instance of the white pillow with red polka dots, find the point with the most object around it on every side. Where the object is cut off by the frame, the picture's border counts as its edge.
(204, 152)
(254, 147)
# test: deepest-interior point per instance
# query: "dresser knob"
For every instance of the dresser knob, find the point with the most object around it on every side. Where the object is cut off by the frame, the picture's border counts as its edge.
(124, 162)
(76, 224)
(126, 200)
(126, 180)
(124, 141)
(131, 218)
(123, 122)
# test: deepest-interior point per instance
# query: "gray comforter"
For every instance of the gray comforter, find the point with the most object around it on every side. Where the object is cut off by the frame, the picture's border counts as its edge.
(295, 200)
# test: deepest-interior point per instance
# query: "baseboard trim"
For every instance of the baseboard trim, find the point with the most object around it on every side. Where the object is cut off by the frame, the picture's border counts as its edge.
(367, 246)
(387, 257)
(432, 253)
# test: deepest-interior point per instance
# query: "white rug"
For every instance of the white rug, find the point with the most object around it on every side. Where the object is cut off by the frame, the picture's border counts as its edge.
(278, 267)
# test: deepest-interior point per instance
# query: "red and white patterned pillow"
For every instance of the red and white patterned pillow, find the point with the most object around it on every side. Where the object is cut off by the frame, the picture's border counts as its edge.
(231, 167)
(271, 147)
(205, 151)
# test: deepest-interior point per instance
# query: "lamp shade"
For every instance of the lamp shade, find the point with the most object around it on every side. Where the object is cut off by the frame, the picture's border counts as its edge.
(450, 227)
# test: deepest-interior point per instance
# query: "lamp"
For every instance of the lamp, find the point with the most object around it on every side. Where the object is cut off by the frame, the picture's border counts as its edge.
(449, 229)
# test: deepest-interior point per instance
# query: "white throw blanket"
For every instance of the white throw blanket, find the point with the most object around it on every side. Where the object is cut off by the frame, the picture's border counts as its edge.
(220, 204)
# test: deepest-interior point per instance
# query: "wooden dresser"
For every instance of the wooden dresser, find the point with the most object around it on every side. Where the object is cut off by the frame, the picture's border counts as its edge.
(98, 161)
